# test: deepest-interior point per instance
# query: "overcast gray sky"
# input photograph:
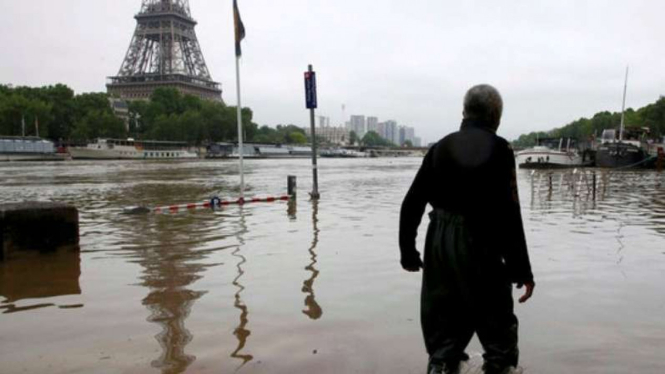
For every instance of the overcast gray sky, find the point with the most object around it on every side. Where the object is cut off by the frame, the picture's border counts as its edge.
(554, 61)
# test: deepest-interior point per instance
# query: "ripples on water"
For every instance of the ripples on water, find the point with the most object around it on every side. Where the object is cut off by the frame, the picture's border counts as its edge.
(306, 287)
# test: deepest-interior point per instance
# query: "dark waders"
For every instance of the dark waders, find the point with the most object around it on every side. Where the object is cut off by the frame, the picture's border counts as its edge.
(465, 291)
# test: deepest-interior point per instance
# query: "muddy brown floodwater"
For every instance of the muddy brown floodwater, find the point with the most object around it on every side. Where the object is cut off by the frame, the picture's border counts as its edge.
(312, 288)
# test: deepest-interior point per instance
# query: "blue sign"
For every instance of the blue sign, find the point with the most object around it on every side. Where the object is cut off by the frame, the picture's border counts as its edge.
(310, 90)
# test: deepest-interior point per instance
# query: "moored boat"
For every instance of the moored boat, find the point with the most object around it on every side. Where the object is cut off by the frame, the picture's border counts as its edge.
(130, 149)
(254, 151)
(342, 153)
(628, 150)
(553, 153)
(27, 149)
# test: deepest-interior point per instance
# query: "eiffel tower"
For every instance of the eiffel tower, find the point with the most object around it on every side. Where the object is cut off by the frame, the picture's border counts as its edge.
(164, 52)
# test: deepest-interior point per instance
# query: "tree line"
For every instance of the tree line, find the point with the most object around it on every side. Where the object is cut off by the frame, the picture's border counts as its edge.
(54, 112)
(373, 139)
(651, 116)
(62, 116)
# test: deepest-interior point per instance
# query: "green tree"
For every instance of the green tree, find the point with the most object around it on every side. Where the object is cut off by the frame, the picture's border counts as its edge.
(297, 138)
(168, 100)
(265, 134)
(61, 100)
(651, 116)
(373, 139)
(16, 109)
(353, 138)
(169, 115)
(98, 124)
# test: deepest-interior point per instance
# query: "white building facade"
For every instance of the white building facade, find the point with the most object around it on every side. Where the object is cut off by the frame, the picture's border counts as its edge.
(333, 135)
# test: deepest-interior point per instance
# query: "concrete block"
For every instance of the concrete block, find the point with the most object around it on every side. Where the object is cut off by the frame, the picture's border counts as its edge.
(37, 226)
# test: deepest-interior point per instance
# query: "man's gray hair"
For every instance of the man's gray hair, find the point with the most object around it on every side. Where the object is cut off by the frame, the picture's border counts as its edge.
(484, 103)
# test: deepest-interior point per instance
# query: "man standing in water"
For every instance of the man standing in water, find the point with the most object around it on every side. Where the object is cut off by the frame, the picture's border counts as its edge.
(475, 247)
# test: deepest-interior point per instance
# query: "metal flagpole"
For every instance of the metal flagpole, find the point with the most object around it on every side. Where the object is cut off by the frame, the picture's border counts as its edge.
(240, 143)
(623, 107)
(239, 31)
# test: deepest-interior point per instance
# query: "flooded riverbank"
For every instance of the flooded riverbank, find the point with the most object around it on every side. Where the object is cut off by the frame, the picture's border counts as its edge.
(307, 287)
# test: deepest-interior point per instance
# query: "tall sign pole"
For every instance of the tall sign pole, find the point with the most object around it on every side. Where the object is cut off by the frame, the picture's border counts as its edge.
(311, 101)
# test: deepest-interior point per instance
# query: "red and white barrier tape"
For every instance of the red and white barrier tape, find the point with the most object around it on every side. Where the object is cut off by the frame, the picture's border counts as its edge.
(217, 203)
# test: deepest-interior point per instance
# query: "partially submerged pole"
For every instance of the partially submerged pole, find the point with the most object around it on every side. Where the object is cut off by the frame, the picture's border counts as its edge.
(311, 98)
(291, 186)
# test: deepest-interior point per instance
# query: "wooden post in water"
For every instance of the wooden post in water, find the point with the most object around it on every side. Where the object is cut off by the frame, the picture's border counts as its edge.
(594, 186)
(561, 184)
(533, 183)
(291, 186)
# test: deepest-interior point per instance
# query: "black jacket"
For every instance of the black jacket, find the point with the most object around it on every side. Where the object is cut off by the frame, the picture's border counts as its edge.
(471, 173)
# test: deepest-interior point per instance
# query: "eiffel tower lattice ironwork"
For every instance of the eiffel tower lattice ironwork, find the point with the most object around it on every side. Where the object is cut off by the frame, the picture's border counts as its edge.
(164, 52)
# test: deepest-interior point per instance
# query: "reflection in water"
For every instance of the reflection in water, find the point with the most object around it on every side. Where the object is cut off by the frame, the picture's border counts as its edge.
(313, 309)
(554, 189)
(292, 209)
(169, 268)
(241, 332)
(34, 275)
(630, 198)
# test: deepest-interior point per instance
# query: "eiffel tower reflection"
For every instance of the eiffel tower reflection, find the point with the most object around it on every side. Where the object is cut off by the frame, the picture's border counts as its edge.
(170, 267)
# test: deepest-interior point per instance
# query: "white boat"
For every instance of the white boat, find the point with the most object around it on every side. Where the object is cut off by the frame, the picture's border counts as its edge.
(342, 153)
(250, 151)
(130, 149)
(552, 153)
(27, 149)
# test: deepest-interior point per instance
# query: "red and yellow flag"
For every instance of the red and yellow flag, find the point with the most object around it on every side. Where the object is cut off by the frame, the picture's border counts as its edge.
(239, 28)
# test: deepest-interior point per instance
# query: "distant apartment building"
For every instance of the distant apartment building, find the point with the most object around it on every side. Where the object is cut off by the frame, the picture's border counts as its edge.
(357, 125)
(409, 134)
(402, 135)
(406, 134)
(372, 124)
(334, 135)
(381, 129)
(392, 132)
(324, 121)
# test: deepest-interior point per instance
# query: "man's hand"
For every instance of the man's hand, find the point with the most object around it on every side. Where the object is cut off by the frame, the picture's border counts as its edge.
(413, 266)
(529, 290)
